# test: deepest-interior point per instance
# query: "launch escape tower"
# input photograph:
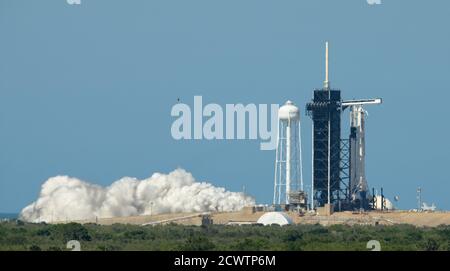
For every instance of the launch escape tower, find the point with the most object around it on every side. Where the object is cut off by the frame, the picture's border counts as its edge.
(338, 175)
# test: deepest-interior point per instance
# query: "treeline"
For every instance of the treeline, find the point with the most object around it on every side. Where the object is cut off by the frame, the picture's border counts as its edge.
(17, 235)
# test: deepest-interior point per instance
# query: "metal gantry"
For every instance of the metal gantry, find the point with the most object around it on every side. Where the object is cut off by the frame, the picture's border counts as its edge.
(338, 175)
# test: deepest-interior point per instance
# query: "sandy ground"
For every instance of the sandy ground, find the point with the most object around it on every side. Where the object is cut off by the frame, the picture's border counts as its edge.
(246, 216)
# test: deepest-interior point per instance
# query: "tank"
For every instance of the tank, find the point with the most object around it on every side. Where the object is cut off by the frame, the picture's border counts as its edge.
(288, 169)
(288, 112)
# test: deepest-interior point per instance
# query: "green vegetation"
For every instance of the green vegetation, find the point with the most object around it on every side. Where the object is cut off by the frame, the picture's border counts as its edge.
(45, 237)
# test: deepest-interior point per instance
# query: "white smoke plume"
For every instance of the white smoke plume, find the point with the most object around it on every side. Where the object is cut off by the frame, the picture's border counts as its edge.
(64, 198)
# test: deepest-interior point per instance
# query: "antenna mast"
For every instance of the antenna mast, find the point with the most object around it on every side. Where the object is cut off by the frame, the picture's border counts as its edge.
(326, 83)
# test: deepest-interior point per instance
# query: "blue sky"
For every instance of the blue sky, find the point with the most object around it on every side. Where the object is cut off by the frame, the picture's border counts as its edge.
(86, 90)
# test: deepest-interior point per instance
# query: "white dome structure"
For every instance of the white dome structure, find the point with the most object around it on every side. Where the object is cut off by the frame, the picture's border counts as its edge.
(277, 218)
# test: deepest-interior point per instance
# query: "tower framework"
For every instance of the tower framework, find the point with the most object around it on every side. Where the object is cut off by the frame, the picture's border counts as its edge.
(325, 111)
(338, 166)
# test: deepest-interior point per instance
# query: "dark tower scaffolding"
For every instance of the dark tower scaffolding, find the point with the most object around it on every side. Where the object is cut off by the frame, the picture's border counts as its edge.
(338, 175)
(325, 111)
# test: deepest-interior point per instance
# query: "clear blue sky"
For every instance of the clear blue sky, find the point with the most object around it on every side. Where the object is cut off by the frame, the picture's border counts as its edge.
(86, 90)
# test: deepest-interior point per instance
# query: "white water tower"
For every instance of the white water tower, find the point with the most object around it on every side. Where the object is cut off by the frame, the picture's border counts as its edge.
(288, 162)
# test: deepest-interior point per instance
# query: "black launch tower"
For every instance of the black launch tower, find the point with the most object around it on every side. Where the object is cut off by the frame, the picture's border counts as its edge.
(325, 111)
(338, 175)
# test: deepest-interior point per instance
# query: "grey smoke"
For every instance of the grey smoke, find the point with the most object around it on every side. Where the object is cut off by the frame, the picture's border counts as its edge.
(66, 198)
